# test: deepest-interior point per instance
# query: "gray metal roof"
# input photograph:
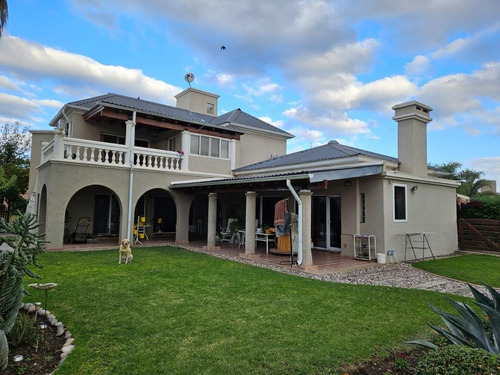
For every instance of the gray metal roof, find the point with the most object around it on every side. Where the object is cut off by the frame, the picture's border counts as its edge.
(229, 120)
(329, 151)
(239, 119)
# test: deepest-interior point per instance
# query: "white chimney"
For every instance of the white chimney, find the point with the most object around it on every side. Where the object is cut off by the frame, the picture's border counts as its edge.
(412, 118)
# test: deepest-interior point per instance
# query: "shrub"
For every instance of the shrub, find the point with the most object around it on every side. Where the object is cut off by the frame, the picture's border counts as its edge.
(24, 331)
(23, 248)
(458, 360)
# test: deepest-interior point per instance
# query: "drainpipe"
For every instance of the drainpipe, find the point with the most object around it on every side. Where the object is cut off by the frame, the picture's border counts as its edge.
(131, 140)
(299, 224)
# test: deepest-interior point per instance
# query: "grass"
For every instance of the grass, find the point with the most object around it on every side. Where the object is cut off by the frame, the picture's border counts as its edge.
(476, 269)
(172, 311)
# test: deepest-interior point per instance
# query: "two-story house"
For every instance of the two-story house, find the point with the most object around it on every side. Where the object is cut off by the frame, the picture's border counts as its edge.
(186, 169)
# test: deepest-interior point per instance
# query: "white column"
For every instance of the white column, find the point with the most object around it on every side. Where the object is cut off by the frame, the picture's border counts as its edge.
(250, 222)
(58, 152)
(232, 153)
(185, 146)
(212, 220)
(305, 197)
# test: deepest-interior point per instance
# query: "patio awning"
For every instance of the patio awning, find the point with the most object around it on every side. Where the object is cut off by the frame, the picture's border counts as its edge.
(343, 173)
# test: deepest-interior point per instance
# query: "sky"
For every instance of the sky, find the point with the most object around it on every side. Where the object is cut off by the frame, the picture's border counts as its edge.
(321, 70)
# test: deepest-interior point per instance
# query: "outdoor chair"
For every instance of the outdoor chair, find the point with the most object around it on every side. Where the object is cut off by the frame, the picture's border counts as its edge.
(226, 233)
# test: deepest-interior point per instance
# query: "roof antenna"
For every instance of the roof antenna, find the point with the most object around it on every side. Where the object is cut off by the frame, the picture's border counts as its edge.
(189, 77)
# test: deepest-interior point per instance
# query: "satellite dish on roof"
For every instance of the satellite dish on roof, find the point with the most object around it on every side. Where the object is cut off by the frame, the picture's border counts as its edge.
(189, 77)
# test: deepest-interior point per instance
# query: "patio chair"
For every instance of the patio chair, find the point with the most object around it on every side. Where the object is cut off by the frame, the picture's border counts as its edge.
(226, 233)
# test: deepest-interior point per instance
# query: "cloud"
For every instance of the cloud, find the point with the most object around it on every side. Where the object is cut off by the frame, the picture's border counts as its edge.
(74, 73)
(8, 84)
(16, 108)
(419, 66)
(463, 99)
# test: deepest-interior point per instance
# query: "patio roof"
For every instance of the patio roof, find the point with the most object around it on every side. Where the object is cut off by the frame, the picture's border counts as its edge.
(278, 181)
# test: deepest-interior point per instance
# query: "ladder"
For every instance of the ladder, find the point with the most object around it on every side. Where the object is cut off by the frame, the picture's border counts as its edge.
(419, 242)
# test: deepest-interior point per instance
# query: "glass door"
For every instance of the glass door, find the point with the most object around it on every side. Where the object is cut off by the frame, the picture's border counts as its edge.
(326, 222)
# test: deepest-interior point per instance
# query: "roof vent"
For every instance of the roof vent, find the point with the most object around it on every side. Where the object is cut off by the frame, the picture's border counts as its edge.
(333, 142)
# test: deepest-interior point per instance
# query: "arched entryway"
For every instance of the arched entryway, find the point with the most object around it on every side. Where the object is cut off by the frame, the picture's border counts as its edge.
(157, 211)
(97, 204)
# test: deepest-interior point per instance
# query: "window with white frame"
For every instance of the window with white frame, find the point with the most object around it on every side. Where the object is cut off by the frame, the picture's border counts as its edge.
(118, 139)
(400, 212)
(209, 146)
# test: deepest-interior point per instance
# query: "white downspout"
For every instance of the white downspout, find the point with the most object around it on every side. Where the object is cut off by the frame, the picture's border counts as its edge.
(299, 224)
(131, 142)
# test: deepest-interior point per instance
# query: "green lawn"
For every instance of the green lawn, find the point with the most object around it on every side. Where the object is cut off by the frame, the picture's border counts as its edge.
(476, 269)
(173, 311)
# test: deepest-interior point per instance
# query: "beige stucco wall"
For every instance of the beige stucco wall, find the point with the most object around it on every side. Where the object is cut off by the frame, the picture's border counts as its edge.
(254, 148)
(208, 164)
(37, 137)
(431, 209)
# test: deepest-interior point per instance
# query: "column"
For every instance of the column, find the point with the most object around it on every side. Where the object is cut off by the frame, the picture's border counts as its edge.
(185, 146)
(305, 197)
(212, 220)
(232, 153)
(251, 198)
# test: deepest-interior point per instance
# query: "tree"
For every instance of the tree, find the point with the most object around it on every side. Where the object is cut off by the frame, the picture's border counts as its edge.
(471, 181)
(4, 14)
(14, 162)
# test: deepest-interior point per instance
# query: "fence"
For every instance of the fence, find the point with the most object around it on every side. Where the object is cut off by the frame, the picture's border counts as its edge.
(479, 234)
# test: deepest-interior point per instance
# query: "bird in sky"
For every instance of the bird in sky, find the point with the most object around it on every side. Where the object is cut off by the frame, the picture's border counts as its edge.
(223, 48)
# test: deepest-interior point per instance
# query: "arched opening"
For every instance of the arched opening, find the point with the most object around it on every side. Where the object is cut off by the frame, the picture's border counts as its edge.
(155, 214)
(97, 204)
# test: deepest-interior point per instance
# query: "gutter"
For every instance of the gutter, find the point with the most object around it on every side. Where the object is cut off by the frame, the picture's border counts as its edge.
(299, 224)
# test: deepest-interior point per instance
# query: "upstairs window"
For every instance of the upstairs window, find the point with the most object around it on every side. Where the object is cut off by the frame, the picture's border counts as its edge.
(118, 139)
(400, 204)
(209, 146)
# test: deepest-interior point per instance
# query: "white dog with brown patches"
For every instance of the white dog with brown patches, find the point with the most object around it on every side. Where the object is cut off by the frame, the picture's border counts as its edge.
(125, 252)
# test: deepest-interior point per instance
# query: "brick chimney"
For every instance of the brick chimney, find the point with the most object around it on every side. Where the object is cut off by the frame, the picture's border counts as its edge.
(198, 101)
(412, 118)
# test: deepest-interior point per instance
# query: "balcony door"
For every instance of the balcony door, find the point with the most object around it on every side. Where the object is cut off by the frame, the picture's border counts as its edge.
(326, 222)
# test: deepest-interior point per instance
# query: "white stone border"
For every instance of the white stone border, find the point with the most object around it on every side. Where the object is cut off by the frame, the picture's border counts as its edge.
(61, 329)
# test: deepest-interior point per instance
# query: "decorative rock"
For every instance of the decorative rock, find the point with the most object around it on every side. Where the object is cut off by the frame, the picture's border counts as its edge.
(64, 355)
(41, 312)
(22, 305)
(67, 349)
(32, 309)
(61, 362)
(69, 341)
(67, 335)
(60, 332)
(59, 324)
(47, 313)
(26, 306)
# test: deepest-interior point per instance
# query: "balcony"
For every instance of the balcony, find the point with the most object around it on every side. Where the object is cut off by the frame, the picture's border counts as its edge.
(82, 151)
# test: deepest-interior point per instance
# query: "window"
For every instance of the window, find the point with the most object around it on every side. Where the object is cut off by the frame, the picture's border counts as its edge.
(111, 138)
(400, 207)
(209, 146)
(171, 144)
(362, 207)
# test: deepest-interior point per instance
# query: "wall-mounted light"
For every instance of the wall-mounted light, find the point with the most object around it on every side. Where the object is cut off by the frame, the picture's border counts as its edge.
(414, 188)
(348, 183)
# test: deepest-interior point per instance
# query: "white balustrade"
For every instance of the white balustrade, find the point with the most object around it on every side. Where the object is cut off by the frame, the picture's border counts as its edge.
(102, 153)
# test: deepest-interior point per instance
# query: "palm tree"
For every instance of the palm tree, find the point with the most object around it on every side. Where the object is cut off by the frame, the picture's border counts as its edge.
(471, 182)
(4, 14)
